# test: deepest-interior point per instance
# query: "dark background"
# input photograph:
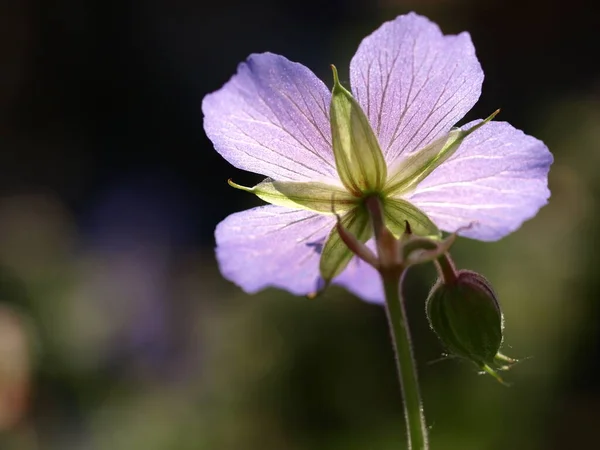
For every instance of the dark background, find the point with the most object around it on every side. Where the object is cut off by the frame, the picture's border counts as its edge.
(116, 329)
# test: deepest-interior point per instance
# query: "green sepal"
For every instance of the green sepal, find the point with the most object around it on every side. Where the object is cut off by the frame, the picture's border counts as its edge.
(358, 157)
(336, 255)
(413, 169)
(397, 212)
(312, 196)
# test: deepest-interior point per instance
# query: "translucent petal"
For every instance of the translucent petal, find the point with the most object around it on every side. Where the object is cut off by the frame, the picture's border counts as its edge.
(414, 83)
(362, 280)
(273, 246)
(498, 178)
(272, 118)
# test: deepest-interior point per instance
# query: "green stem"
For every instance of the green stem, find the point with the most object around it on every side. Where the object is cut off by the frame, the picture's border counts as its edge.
(407, 370)
(446, 269)
(392, 273)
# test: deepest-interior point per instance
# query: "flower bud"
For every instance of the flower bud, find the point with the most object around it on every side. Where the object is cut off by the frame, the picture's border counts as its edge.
(466, 316)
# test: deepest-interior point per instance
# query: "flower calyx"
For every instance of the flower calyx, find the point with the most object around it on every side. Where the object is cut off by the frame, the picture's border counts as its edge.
(394, 254)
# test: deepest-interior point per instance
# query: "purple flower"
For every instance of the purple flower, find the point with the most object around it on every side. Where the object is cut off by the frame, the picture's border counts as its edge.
(392, 137)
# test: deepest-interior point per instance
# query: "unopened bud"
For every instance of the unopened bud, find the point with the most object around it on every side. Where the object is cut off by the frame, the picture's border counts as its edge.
(465, 314)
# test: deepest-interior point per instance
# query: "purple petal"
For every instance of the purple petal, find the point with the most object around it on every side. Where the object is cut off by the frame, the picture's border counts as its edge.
(414, 83)
(272, 118)
(498, 178)
(273, 246)
(362, 280)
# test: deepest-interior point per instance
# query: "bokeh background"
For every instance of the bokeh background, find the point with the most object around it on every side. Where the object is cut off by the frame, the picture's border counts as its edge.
(116, 329)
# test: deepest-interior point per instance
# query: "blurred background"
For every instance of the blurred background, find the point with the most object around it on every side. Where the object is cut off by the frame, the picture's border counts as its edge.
(116, 328)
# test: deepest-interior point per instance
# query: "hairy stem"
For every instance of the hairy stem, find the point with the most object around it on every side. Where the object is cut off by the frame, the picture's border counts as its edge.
(407, 370)
(392, 270)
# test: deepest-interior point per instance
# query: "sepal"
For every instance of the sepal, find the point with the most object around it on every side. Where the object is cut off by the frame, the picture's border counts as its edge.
(312, 196)
(358, 157)
(336, 255)
(416, 167)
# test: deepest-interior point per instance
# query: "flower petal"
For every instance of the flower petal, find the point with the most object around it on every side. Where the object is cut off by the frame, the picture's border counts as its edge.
(362, 280)
(414, 83)
(498, 178)
(272, 118)
(272, 246)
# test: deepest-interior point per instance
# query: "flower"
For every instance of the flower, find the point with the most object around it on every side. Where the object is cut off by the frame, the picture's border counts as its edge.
(392, 137)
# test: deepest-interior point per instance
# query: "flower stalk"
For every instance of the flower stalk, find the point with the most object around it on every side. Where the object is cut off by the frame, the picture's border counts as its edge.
(392, 269)
(416, 428)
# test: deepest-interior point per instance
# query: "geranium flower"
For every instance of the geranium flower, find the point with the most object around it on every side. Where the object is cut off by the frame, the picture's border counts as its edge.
(391, 137)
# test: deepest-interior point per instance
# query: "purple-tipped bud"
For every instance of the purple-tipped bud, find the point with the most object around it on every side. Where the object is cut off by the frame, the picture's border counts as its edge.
(465, 314)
